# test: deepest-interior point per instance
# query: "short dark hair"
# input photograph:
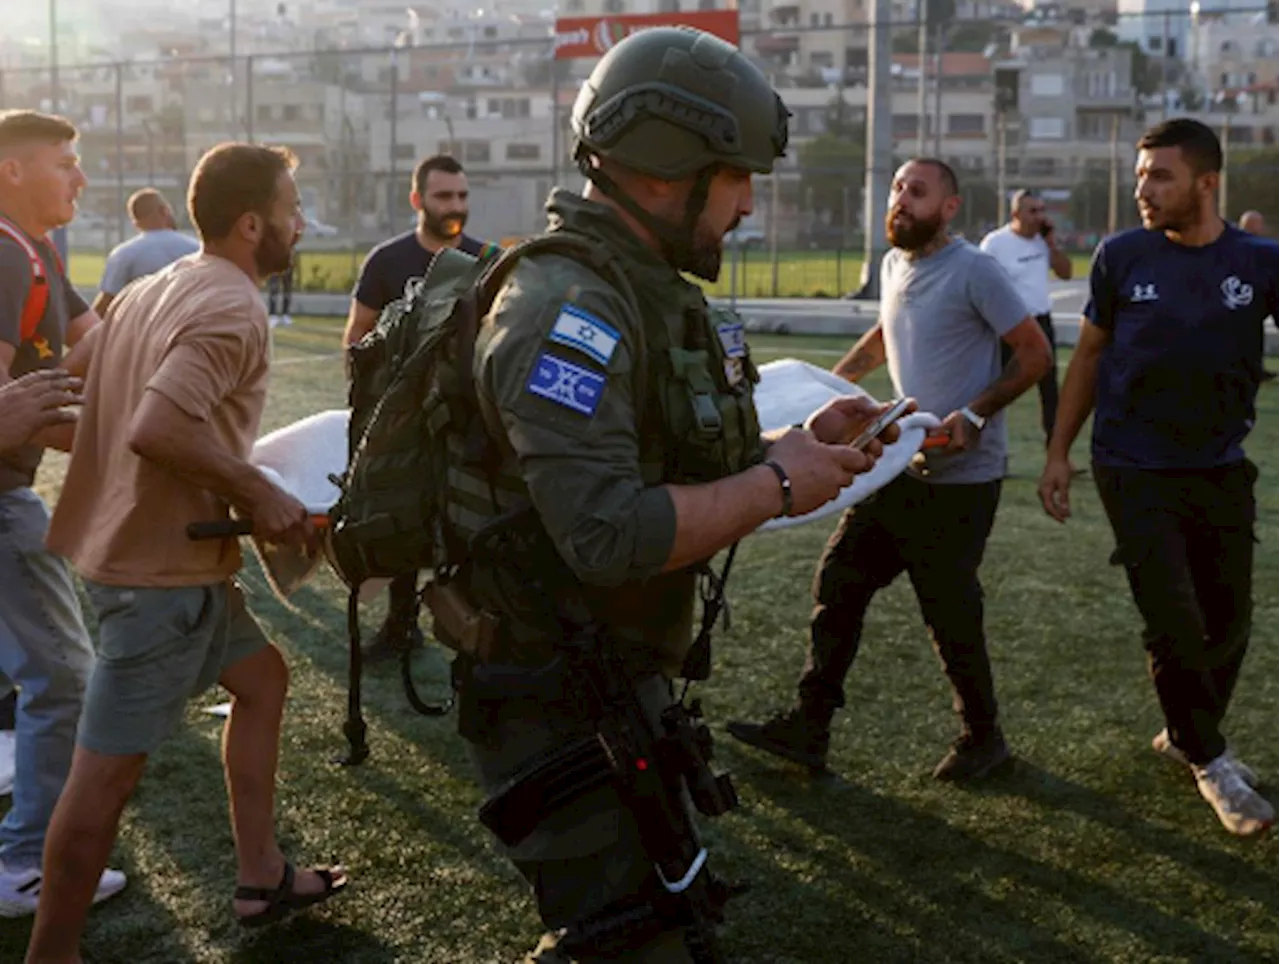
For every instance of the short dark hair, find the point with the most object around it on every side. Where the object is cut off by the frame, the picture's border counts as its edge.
(23, 126)
(445, 163)
(146, 202)
(231, 180)
(949, 179)
(1197, 142)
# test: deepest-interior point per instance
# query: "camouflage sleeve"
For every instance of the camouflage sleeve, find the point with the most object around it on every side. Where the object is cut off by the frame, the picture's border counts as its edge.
(557, 363)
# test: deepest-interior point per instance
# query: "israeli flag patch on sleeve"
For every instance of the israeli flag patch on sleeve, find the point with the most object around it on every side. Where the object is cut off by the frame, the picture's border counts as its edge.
(581, 330)
(566, 384)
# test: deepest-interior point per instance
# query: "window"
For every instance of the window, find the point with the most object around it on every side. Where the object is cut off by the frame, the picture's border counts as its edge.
(292, 112)
(822, 58)
(1153, 44)
(139, 105)
(476, 152)
(614, 6)
(814, 20)
(405, 152)
(965, 124)
(1047, 128)
(1046, 85)
(905, 125)
(706, 4)
(264, 113)
(523, 152)
(827, 20)
(1041, 166)
(1093, 127)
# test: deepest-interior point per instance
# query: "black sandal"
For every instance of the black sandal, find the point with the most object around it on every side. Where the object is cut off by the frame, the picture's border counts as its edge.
(282, 901)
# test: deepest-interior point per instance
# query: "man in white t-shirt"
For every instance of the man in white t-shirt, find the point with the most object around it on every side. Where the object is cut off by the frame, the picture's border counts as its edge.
(1027, 249)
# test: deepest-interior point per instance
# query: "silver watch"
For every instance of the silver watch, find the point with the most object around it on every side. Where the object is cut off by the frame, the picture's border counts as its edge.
(976, 420)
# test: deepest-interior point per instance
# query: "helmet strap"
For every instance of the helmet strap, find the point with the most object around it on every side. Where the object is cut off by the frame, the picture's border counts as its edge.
(676, 241)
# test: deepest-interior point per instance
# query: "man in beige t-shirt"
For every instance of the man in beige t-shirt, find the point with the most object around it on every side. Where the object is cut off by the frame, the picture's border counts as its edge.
(175, 390)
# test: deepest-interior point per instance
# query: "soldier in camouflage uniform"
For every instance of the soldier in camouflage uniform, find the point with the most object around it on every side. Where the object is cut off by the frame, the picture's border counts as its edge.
(628, 423)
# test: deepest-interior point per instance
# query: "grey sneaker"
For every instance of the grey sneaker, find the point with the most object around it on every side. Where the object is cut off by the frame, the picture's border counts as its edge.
(1164, 746)
(793, 735)
(1241, 808)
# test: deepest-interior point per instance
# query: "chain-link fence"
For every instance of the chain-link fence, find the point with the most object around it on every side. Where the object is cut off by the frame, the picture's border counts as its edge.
(1050, 102)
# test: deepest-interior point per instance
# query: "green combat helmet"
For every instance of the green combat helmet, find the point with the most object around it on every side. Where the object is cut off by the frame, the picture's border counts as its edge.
(671, 102)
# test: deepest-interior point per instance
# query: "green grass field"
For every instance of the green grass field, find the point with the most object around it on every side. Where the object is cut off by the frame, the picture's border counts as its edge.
(1091, 849)
(816, 274)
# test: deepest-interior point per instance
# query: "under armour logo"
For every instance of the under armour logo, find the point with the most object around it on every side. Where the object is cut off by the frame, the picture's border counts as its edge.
(1235, 293)
(1144, 293)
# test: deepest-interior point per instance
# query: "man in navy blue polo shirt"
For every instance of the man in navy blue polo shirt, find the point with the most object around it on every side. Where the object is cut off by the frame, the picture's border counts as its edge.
(1170, 355)
(439, 195)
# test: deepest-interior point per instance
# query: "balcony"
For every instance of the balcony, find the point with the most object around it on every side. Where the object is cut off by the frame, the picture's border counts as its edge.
(777, 44)
(785, 13)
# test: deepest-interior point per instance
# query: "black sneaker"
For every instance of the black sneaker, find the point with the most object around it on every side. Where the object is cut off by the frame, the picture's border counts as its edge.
(392, 639)
(972, 758)
(793, 735)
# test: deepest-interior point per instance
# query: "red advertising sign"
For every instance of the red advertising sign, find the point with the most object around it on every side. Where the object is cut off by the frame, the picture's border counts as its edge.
(592, 36)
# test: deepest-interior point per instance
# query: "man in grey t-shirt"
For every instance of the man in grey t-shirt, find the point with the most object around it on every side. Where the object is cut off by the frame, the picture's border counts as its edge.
(945, 309)
(157, 245)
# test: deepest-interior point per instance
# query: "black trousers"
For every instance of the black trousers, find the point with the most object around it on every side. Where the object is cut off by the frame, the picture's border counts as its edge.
(280, 286)
(1186, 541)
(1049, 384)
(937, 534)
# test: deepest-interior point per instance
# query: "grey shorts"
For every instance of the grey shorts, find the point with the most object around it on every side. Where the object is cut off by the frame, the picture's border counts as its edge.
(158, 648)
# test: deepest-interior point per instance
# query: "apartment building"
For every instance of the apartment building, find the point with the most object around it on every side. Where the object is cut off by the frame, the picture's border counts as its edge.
(1072, 100)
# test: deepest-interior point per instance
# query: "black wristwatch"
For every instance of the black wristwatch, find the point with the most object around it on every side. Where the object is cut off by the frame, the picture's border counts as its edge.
(785, 481)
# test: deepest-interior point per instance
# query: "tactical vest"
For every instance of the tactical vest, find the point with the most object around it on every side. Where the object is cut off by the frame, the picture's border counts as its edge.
(699, 423)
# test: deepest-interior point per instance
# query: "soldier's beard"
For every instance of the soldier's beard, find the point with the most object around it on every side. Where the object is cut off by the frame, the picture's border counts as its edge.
(704, 257)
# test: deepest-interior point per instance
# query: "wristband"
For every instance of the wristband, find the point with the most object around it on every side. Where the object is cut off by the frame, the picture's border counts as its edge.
(785, 482)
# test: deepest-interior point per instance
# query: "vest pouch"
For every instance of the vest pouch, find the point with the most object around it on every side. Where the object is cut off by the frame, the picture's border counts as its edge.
(695, 418)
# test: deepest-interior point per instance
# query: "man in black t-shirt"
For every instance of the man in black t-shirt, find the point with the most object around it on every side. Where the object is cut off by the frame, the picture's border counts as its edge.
(439, 196)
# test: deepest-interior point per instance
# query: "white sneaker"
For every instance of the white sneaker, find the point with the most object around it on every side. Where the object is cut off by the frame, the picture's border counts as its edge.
(20, 890)
(286, 320)
(273, 321)
(8, 759)
(1164, 746)
(1241, 809)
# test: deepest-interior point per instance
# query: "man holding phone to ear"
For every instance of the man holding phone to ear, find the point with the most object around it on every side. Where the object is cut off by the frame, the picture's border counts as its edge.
(945, 310)
(1027, 248)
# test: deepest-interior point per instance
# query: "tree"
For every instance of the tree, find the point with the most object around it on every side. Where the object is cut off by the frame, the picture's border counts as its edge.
(1145, 73)
(979, 203)
(1251, 183)
(832, 171)
(1089, 199)
(832, 165)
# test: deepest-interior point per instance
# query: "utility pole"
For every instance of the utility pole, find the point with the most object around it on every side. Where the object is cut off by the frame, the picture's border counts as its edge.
(232, 116)
(1113, 187)
(1222, 181)
(1002, 188)
(1164, 71)
(53, 56)
(939, 38)
(922, 42)
(879, 145)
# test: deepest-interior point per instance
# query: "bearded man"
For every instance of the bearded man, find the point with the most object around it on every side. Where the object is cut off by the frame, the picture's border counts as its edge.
(176, 385)
(946, 307)
(440, 196)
